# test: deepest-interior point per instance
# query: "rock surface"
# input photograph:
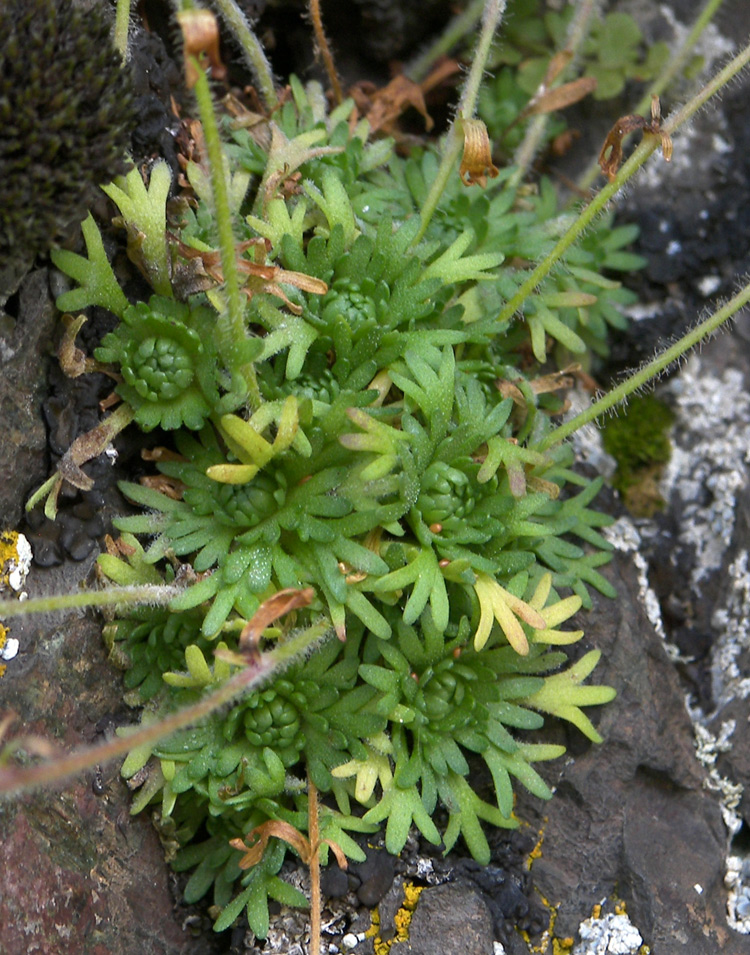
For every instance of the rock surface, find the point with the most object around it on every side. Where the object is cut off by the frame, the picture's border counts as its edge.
(443, 914)
(78, 874)
(24, 356)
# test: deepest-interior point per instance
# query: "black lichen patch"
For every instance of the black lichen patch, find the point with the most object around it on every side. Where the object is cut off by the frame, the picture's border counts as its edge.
(66, 114)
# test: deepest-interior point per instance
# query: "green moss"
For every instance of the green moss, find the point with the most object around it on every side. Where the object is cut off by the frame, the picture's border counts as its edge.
(66, 113)
(639, 441)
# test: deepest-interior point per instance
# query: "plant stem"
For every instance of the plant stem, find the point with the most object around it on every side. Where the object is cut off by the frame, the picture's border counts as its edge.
(154, 595)
(458, 28)
(649, 371)
(14, 778)
(583, 220)
(628, 169)
(325, 50)
(722, 78)
(493, 13)
(676, 63)
(230, 327)
(314, 837)
(528, 147)
(254, 53)
(122, 23)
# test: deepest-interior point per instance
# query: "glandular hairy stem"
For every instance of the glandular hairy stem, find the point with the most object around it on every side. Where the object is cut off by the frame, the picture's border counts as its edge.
(14, 778)
(649, 371)
(493, 14)
(673, 69)
(628, 169)
(230, 327)
(154, 596)
(122, 24)
(459, 27)
(253, 52)
(534, 136)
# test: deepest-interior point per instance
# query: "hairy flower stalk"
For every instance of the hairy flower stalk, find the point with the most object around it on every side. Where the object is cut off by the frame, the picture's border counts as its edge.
(252, 50)
(628, 169)
(650, 371)
(491, 19)
(201, 35)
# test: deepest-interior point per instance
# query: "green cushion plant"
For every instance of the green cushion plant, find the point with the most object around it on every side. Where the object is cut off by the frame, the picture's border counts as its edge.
(363, 428)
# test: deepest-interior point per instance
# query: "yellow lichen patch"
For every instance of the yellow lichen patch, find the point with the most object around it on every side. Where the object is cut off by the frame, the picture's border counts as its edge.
(15, 560)
(561, 946)
(402, 920)
(548, 940)
(536, 852)
(374, 929)
(3, 637)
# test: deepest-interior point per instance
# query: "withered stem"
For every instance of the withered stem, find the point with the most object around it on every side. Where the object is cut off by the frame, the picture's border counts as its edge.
(325, 50)
(314, 836)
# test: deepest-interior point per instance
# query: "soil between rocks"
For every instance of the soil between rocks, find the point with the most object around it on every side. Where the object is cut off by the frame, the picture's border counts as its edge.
(638, 820)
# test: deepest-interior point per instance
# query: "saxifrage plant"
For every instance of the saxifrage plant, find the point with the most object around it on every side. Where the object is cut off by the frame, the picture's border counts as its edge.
(362, 435)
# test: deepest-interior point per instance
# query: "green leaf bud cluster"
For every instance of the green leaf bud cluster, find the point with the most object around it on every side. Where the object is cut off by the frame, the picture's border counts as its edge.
(167, 363)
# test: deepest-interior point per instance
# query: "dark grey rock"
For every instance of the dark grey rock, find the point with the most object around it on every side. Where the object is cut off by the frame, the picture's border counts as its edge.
(449, 918)
(25, 349)
(78, 874)
(631, 816)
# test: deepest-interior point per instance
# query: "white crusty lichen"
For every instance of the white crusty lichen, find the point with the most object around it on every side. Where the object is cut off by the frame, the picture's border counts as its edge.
(737, 874)
(737, 881)
(708, 747)
(625, 537)
(732, 625)
(15, 562)
(612, 934)
(708, 466)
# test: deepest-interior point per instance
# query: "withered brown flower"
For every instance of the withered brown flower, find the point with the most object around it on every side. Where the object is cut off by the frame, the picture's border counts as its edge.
(476, 162)
(611, 155)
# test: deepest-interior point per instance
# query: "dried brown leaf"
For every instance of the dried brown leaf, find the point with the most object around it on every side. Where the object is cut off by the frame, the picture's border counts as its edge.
(382, 107)
(279, 605)
(338, 853)
(256, 841)
(610, 156)
(561, 96)
(172, 488)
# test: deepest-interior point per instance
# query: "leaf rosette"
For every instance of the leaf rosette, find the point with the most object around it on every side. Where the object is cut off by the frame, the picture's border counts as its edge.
(167, 363)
